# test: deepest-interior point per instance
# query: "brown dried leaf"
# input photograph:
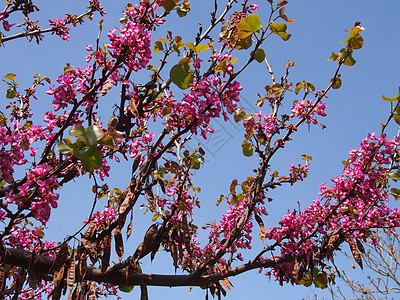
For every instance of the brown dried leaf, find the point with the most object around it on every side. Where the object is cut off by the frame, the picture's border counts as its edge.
(132, 108)
(119, 244)
(224, 281)
(261, 228)
(33, 279)
(105, 259)
(155, 248)
(174, 254)
(172, 181)
(221, 289)
(71, 272)
(354, 251)
(162, 185)
(112, 123)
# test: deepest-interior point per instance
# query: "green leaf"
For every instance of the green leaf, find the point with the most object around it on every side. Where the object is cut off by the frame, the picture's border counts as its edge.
(196, 161)
(354, 41)
(355, 30)
(169, 4)
(321, 281)
(337, 84)
(11, 93)
(85, 152)
(89, 136)
(108, 142)
(280, 29)
(394, 98)
(191, 46)
(166, 111)
(202, 47)
(10, 76)
(395, 193)
(63, 148)
(334, 57)
(183, 9)
(247, 149)
(249, 25)
(247, 117)
(90, 157)
(181, 75)
(244, 43)
(259, 55)
(93, 134)
(299, 86)
(77, 131)
(126, 288)
(394, 175)
(349, 61)
(158, 46)
(221, 66)
(396, 117)
(239, 115)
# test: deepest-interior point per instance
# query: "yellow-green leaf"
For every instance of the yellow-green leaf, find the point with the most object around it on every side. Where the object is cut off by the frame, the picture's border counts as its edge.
(169, 4)
(249, 25)
(10, 76)
(280, 29)
(181, 75)
(259, 55)
(395, 193)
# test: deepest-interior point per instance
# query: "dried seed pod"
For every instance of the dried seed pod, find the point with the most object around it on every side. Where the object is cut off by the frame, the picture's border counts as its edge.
(71, 272)
(105, 260)
(354, 251)
(119, 244)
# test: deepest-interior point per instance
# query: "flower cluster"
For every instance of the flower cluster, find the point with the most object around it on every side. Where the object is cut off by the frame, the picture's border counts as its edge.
(37, 193)
(22, 237)
(72, 83)
(354, 204)
(144, 14)
(305, 109)
(104, 217)
(261, 126)
(204, 102)
(132, 45)
(60, 28)
(15, 141)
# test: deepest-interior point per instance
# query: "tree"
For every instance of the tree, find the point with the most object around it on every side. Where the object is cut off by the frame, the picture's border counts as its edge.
(151, 125)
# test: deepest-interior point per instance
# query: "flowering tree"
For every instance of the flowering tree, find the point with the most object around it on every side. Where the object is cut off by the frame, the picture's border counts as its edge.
(150, 129)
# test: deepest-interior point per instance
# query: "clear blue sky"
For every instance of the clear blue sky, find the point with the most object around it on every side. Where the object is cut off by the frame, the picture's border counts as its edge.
(353, 111)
